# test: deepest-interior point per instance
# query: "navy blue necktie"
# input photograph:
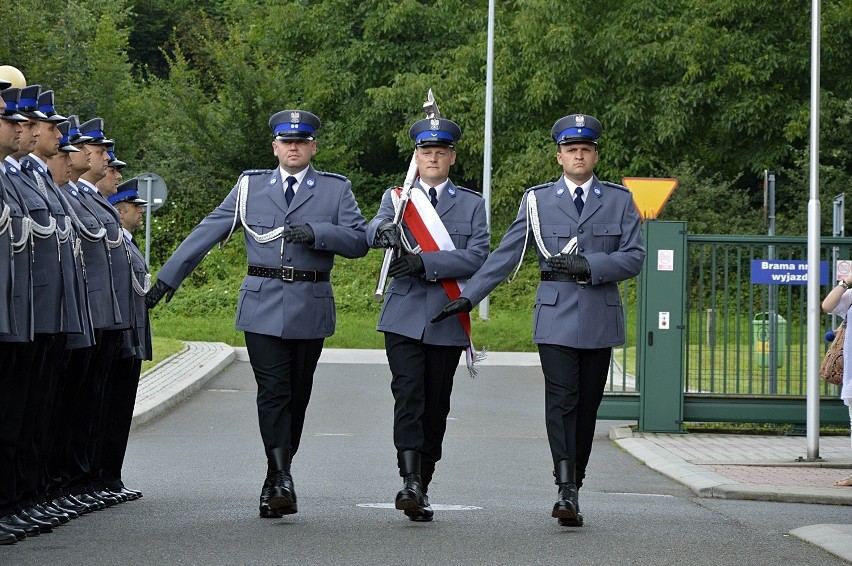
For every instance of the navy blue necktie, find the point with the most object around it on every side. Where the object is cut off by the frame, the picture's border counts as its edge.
(433, 196)
(578, 200)
(290, 193)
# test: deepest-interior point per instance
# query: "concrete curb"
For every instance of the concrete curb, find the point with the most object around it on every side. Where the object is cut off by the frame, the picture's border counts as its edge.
(177, 377)
(836, 539)
(706, 483)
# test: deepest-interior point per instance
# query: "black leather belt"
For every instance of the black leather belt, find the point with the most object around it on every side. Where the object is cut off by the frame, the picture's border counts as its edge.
(289, 274)
(557, 276)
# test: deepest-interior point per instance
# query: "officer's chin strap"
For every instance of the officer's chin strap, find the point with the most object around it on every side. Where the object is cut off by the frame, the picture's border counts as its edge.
(532, 221)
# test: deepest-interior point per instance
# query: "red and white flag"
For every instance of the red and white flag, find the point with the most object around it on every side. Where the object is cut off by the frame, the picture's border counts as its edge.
(432, 236)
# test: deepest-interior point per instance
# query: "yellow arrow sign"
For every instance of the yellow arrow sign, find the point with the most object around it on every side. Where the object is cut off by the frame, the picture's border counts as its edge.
(649, 194)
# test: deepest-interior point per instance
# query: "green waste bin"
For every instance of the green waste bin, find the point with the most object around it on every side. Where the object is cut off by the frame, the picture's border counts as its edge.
(761, 328)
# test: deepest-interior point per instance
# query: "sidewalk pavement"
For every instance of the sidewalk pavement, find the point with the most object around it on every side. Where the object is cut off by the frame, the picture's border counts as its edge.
(726, 466)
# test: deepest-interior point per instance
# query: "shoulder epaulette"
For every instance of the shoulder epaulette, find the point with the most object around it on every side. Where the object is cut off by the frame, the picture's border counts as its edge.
(615, 186)
(257, 171)
(335, 175)
(541, 186)
(471, 191)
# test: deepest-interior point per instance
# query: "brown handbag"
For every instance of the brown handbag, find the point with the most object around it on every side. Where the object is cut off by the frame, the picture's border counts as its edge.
(831, 368)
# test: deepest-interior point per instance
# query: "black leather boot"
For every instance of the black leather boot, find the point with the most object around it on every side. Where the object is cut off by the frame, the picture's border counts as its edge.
(567, 507)
(410, 497)
(266, 511)
(282, 493)
(426, 514)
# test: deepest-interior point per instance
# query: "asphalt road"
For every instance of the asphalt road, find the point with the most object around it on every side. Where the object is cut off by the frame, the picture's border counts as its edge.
(202, 465)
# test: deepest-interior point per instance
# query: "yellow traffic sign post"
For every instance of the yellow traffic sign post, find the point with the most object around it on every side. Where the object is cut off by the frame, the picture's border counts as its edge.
(649, 194)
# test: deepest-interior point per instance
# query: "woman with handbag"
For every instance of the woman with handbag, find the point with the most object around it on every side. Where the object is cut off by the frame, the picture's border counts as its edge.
(839, 302)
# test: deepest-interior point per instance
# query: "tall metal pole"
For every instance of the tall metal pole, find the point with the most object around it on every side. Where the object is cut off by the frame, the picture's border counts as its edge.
(773, 291)
(814, 312)
(486, 158)
(148, 221)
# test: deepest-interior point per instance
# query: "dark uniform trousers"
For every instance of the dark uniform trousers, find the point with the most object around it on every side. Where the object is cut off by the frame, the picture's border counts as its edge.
(119, 400)
(422, 384)
(284, 371)
(574, 382)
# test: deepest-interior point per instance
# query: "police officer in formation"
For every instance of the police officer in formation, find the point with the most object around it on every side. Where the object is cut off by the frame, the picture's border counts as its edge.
(295, 220)
(423, 357)
(587, 236)
(68, 277)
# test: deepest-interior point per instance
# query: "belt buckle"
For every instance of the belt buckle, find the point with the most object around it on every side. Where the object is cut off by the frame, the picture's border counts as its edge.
(579, 281)
(287, 273)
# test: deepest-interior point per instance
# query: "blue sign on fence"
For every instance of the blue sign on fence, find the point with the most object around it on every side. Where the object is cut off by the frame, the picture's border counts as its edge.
(785, 272)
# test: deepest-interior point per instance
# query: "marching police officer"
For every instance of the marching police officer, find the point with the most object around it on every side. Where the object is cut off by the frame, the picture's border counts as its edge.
(587, 235)
(423, 357)
(295, 220)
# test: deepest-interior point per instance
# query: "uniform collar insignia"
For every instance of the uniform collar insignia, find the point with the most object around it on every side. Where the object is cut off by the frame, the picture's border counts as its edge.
(12, 169)
(597, 191)
(273, 180)
(451, 191)
(40, 169)
(560, 191)
(310, 182)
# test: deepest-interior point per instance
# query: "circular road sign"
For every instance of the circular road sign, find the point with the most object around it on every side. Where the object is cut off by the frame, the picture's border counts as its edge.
(153, 189)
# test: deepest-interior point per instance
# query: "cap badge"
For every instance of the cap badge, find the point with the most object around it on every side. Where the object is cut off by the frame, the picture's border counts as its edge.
(295, 117)
(580, 121)
(434, 124)
(310, 182)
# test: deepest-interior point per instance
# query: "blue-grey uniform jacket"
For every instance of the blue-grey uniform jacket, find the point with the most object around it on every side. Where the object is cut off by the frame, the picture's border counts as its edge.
(410, 302)
(22, 284)
(102, 302)
(290, 310)
(119, 256)
(54, 275)
(7, 272)
(137, 339)
(608, 235)
(85, 336)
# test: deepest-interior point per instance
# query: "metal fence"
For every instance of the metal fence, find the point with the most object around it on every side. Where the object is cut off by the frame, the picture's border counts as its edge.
(742, 338)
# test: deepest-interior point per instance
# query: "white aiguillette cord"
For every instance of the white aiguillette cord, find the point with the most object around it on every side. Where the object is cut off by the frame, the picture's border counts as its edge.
(533, 221)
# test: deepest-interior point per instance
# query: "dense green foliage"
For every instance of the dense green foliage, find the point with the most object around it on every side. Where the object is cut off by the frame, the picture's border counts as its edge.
(712, 92)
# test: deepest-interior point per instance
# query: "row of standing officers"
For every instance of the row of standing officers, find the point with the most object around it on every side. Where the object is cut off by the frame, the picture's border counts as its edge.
(74, 327)
(295, 219)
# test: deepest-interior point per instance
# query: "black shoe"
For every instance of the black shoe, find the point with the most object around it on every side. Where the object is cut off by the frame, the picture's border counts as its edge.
(73, 514)
(128, 494)
(34, 513)
(567, 508)
(282, 495)
(43, 527)
(72, 502)
(266, 512)
(105, 496)
(134, 491)
(16, 532)
(14, 522)
(7, 538)
(424, 515)
(92, 503)
(78, 501)
(410, 497)
(47, 511)
(122, 498)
